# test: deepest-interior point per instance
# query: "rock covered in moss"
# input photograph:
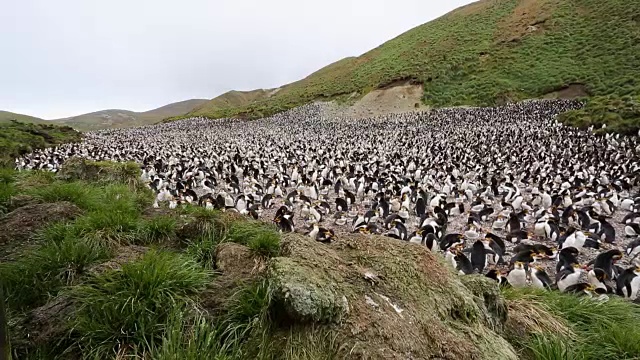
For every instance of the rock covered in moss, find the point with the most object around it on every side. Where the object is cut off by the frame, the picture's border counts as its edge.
(388, 299)
(488, 297)
(304, 295)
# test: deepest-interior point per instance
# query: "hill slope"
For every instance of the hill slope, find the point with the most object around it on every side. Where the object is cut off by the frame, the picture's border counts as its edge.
(485, 53)
(124, 118)
(6, 116)
(17, 138)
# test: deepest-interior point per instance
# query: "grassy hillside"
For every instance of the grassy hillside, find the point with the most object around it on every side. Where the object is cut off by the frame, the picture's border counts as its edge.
(234, 99)
(18, 138)
(486, 53)
(6, 116)
(124, 118)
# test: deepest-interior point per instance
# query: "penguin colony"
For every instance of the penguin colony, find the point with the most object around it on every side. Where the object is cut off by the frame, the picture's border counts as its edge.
(507, 192)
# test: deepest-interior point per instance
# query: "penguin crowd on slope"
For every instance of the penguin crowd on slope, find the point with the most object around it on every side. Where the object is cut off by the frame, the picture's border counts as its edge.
(506, 191)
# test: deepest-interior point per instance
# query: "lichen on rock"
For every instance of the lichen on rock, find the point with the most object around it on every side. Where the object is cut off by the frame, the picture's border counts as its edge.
(305, 296)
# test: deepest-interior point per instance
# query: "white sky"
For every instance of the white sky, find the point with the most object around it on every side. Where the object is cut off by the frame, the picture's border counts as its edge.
(68, 57)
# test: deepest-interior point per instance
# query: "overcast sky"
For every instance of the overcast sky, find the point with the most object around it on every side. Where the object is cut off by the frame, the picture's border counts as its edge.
(67, 57)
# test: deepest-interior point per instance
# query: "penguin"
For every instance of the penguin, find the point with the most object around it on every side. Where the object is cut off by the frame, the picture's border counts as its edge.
(633, 249)
(540, 279)
(606, 261)
(284, 224)
(517, 277)
(430, 242)
(525, 257)
(451, 241)
(463, 265)
(479, 256)
(497, 276)
(267, 201)
(628, 283)
(568, 276)
(567, 257)
(580, 289)
(420, 208)
(597, 278)
(632, 230)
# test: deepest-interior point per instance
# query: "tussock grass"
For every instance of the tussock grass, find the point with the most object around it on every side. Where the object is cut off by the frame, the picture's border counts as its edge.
(549, 347)
(310, 344)
(203, 250)
(245, 326)
(131, 307)
(619, 114)
(157, 230)
(261, 238)
(81, 194)
(189, 340)
(41, 273)
(17, 138)
(603, 330)
(7, 188)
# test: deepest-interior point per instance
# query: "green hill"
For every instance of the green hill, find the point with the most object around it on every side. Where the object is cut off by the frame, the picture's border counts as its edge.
(6, 116)
(485, 53)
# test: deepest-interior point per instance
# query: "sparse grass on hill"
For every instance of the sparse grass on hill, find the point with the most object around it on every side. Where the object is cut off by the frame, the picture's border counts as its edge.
(485, 53)
(6, 117)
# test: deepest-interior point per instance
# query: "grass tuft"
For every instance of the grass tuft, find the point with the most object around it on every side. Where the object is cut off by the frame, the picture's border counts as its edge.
(131, 307)
(603, 330)
(81, 194)
(41, 273)
(157, 230)
(262, 239)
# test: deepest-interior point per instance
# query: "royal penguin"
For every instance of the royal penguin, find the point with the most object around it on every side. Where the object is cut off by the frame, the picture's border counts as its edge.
(517, 277)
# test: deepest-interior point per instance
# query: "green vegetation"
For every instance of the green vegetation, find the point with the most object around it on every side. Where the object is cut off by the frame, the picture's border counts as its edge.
(18, 138)
(619, 114)
(594, 330)
(484, 53)
(125, 301)
(131, 307)
(123, 280)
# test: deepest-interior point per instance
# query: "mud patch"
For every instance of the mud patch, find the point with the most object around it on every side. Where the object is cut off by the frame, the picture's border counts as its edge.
(393, 98)
(19, 226)
(571, 91)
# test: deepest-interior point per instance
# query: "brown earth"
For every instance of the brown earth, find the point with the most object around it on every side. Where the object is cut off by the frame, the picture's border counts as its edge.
(530, 16)
(571, 91)
(19, 226)
(400, 98)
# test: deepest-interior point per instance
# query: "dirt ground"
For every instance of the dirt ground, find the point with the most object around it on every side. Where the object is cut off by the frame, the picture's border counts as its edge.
(396, 99)
(19, 226)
